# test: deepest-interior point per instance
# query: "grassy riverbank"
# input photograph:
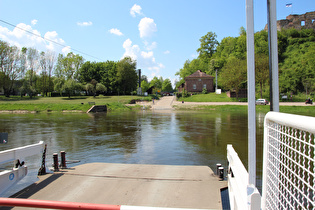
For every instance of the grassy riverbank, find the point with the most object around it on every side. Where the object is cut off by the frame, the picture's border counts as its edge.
(118, 103)
(59, 104)
(301, 110)
(213, 97)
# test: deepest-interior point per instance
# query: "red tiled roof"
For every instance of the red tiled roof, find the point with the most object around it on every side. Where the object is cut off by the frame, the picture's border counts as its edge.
(199, 74)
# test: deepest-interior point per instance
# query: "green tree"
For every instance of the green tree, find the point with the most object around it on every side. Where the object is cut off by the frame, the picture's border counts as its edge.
(157, 83)
(11, 67)
(145, 85)
(94, 87)
(167, 86)
(208, 45)
(32, 57)
(127, 77)
(261, 70)
(233, 74)
(68, 66)
(70, 87)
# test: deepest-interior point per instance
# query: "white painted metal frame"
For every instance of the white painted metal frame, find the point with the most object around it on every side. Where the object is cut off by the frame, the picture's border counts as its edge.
(242, 195)
(8, 178)
(21, 152)
(288, 170)
(251, 91)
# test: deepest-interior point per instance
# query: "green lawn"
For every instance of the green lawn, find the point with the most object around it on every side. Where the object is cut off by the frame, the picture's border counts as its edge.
(65, 103)
(210, 97)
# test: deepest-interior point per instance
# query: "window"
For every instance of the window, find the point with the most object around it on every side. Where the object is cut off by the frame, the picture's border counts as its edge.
(303, 23)
(205, 86)
(194, 86)
(199, 80)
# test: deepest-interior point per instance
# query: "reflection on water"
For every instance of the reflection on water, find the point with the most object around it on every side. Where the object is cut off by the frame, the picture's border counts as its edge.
(174, 138)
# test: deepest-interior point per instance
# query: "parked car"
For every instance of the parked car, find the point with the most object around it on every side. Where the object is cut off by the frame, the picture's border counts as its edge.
(261, 102)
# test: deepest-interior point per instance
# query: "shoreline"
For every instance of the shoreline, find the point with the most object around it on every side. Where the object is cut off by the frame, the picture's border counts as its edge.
(176, 105)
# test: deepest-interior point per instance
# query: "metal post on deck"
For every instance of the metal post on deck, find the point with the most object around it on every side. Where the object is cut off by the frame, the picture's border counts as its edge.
(251, 92)
(63, 160)
(56, 162)
(273, 55)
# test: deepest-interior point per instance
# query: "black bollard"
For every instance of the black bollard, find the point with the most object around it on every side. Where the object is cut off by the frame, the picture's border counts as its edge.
(63, 159)
(55, 157)
(218, 165)
(221, 173)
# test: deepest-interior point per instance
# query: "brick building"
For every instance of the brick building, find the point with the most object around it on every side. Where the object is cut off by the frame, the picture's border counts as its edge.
(196, 82)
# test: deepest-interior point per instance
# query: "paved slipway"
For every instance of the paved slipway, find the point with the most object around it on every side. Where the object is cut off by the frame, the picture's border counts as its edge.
(167, 103)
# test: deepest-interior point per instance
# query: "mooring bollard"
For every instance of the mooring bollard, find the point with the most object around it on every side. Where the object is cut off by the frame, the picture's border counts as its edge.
(63, 159)
(218, 165)
(221, 172)
(55, 157)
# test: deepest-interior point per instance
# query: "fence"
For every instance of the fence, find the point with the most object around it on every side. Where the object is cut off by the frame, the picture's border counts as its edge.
(241, 195)
(288, 170)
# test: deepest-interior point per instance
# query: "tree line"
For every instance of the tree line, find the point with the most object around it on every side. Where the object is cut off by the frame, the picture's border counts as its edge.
(296, 51)
(29, 72)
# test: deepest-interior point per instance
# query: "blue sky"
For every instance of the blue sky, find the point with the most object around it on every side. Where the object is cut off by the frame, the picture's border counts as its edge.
(160, 34)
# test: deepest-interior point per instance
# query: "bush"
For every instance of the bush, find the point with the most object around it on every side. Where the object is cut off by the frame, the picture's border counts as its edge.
(204, 91)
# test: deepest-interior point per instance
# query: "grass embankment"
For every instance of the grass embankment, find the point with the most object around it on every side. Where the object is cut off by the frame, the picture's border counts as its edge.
(210, 97)
(301, 110)
(59, 104)
(213, 97)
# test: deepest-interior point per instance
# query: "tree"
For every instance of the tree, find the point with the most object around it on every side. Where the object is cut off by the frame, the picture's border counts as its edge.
(32, 57)
(233, 74)
(44, 74)
(145, 85)
(94, 87)
(308, 64)
(157, 83)
(261, 70)
(167, 85)
(50, 62)
(185, 71)
(127, 77)
(11, 67)
(208, 45)
(68, 66)
(70, 86)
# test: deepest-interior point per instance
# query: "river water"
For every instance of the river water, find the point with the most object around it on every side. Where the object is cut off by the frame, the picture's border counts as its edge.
(144, 137)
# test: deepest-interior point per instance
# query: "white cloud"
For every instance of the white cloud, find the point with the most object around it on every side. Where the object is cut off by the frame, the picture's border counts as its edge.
(147, 27)
(151, 46)
(135, 9)
(145, 59)
(53, 36)
(66, 50)
(167, 52)
(131, 50)
(89, 23)
(115, 31)
(20, 38)
(34, 22)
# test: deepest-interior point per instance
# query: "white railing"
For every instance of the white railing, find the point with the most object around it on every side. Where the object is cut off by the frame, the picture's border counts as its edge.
(288, 170)
(241, 194)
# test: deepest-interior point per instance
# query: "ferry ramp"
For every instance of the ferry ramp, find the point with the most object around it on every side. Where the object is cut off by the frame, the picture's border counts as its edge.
(164, 103)
(168, 186)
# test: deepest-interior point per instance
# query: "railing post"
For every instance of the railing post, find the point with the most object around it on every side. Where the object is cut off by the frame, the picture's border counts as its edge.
(253, 198)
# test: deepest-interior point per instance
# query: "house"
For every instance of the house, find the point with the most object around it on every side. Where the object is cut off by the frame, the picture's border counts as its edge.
(197, 81)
